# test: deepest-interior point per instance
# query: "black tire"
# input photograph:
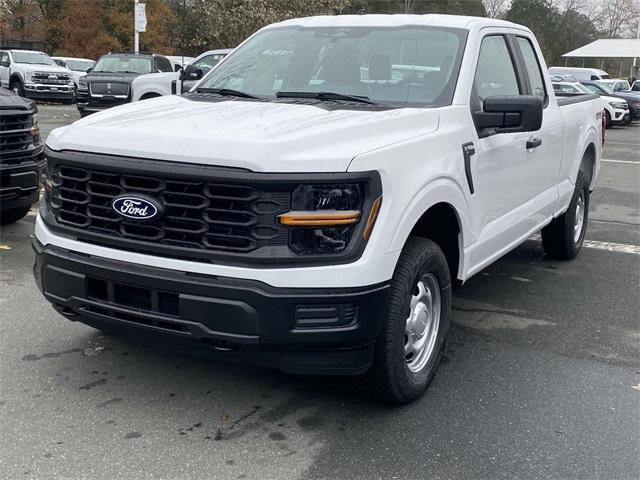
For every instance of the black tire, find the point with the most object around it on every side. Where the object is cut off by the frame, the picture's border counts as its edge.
(150, 95)
(607, 119)
(391, 377)
(560, 239)
(13, 215)
(17, 87)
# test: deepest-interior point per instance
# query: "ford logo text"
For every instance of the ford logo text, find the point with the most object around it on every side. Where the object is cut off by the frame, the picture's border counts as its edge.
(135, 207)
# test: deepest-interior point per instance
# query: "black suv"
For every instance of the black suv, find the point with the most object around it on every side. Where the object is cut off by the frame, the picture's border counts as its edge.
(109, 82)
(21, 158)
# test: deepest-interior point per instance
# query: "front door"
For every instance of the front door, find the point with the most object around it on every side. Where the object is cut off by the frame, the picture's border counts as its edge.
(505, 177)
(4, 69)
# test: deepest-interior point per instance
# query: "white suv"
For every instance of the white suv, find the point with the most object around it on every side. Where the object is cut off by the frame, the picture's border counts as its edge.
(35, 75)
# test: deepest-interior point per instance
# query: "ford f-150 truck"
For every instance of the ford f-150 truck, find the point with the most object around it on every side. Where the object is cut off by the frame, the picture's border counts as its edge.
(312, 202)
(21, 156)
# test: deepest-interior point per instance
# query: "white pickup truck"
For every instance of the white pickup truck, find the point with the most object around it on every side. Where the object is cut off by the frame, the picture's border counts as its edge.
(312, 202)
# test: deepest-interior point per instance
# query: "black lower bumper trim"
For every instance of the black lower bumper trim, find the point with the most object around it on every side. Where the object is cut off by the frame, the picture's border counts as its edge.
(20, 184)
(312, 331)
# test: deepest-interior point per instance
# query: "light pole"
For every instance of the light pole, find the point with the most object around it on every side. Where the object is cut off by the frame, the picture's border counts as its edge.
(136, 35)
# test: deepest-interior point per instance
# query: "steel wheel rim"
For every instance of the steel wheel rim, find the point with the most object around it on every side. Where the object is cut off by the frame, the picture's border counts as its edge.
(579, 218)
(423, 321)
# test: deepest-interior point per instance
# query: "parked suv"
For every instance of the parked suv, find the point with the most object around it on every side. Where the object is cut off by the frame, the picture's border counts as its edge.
(109, 82)
(632, 98)
(35, 75)
(21, 157)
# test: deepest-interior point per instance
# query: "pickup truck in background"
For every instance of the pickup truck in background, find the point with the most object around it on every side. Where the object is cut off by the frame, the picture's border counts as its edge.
(159, 84)
(35, 75)
(21, 158)
(313, 201)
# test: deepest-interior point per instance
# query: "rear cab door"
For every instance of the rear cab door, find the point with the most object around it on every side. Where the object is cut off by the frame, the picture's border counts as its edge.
(547, 155)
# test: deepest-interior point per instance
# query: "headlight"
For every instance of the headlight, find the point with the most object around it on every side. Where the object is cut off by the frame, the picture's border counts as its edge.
(27, 77)
(618, 104)
(82, 84)
(325, 217)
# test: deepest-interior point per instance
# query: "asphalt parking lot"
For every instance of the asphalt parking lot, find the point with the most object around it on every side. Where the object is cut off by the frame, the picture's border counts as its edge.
(541, 379)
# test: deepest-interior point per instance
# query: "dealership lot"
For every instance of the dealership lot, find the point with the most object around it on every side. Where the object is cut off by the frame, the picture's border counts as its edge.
(542, 378)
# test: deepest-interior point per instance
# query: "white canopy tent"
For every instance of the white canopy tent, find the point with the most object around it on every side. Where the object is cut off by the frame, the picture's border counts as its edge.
(609, 48)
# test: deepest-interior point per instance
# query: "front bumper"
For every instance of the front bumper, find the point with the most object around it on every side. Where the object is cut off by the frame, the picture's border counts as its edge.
(297, 330)
(20, 183)
(38, 91)
(621, 117)
(87, 103)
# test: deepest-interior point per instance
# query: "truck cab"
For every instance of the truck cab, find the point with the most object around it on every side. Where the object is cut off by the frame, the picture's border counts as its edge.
(311, 203)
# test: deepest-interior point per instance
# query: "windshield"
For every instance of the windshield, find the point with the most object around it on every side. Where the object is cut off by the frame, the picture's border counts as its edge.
(79, 65)
(408, 66)
(123, 64)
(33, 58)
(605, 87)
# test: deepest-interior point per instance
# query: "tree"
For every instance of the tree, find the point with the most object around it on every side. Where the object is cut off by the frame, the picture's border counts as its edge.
(496, 8)
(455, 7)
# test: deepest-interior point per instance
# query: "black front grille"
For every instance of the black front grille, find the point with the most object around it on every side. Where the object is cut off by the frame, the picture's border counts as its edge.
(109, 88)
(53, 78)
(16, 138)
(199, 216)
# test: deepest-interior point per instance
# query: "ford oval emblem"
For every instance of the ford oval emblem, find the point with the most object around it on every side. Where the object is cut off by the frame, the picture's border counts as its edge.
(136, 207)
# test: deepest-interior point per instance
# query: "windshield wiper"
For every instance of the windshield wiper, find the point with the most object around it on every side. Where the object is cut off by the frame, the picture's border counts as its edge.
(226, 92)
(324, 96)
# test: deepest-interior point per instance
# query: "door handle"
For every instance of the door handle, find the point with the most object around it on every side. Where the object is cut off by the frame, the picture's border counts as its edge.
(534, 143)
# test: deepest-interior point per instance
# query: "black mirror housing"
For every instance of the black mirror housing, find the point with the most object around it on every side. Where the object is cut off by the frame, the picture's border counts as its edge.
(191, 72)
(510, 114)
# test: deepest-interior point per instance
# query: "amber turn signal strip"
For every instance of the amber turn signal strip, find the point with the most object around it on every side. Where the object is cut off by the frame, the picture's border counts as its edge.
(320, 218)
(373, 216)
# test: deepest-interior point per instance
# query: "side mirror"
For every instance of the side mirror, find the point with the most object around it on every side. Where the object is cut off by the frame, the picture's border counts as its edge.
(510, 114)
(89, 69)
(191, 72)
(5, 64)
(177, 68)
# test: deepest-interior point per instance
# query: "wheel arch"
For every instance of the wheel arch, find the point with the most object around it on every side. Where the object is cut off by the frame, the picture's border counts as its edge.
(439, 213)
(152, 94)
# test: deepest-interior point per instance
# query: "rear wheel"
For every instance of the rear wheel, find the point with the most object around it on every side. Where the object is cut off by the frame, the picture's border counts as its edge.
(607, 119)
(563, 237)
(13, 215)
(410, 346)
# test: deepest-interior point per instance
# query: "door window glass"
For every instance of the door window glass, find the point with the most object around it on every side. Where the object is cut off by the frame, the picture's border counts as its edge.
(495, 73)
(533, 67)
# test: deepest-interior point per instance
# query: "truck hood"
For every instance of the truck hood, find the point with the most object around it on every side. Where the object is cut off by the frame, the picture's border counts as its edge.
(255, 135)
(11, 101)
(45, 68)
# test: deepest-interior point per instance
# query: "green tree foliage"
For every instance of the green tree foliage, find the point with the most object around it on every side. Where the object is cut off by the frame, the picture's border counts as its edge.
(454, 7)
(557, 31)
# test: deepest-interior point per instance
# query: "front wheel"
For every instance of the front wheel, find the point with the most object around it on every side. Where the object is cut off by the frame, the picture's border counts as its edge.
(412, 340)
(17, 88)
(563, 237)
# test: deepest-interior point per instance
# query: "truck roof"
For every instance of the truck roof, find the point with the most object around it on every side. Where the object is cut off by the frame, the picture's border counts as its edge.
(376, 20)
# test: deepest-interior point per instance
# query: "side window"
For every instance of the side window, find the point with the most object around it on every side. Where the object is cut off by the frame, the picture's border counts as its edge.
(163, 64)
(495, 73)
(533, 67)
(208, 62)
(4, 58)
